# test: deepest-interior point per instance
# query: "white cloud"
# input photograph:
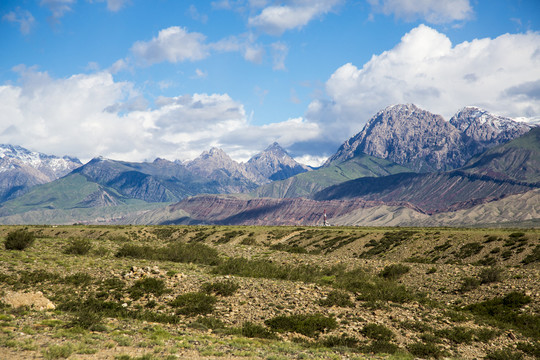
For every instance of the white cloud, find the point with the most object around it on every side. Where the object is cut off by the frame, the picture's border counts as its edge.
(58, 7)
(501, 75)
(432, 11)
(199, 74)
(23, 17)
(86, 115)
(276, 19)
(174, 44)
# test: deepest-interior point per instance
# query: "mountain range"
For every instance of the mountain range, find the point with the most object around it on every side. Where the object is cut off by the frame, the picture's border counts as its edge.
(407, 166)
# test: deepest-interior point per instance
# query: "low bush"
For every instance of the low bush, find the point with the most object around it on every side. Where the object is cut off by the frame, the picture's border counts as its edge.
(146, 286)
(533, 257)
(457, 335)
(78, 246)
(340, 341)
(196, 303)
(490, 275)
(377, 332)
(19, 239)
(380, 347)
(222, 288)
(468, 284)
(505, 311)
(196, 253)
(336, 298)
(58, 352)
(252, 330)
(394, 271)
(531, 349)
(469, 250)
(305, 324)
(425, 351)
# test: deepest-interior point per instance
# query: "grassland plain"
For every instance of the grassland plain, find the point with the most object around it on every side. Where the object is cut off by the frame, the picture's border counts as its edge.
(224, 292)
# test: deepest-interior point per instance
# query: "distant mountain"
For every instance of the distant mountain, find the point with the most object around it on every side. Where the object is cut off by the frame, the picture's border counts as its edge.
(306, 184)
(158, 181)
(21, 169)
(274, 163)
(425, 142)
(508, 169)
(482, 130)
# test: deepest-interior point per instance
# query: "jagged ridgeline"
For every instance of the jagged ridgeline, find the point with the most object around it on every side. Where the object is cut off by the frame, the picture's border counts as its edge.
(406, 167)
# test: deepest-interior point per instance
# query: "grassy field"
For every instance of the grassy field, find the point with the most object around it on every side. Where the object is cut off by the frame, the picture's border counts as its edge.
(224, 292)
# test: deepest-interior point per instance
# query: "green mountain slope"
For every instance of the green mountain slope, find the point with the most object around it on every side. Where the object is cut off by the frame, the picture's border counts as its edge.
(70, 192)
(306, 184)
(517, 160)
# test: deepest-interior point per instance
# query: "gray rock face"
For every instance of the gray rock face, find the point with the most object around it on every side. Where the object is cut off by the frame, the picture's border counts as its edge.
(482, 130)
(21, 169)
(425, 142)
(274, 163)
(409, 136)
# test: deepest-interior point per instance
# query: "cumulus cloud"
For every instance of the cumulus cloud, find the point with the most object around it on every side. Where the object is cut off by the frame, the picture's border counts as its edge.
(86, 115)
(425, 68)
(174, 44)
(276, 19)
(23, 17)
(432, 11)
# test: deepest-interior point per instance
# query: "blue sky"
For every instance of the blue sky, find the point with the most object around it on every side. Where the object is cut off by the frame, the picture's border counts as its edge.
(139, 79)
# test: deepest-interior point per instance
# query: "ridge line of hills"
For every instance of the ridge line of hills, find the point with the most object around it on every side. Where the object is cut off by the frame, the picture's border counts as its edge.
(404, 160)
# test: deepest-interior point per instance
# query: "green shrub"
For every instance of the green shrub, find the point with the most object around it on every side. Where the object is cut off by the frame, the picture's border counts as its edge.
(370, 288)
(191, 304)
(58, 352)
(490, 275)
(516, 235)
(78, 279)
(336, 298)
(425, 351)
(469, 250)
(145, 286)
(505, 311)
(504, 354)
(531, 349)
(533, 257)
(305, 324)
(394, 271)
(252, 330)
(38, 276)
(458, 335)
(340, 341)
(222, 288)
(87, 319)
(19, 239)
(468, 284)
(377, 332)
(380, 347)
(177, 252)
(78, 246)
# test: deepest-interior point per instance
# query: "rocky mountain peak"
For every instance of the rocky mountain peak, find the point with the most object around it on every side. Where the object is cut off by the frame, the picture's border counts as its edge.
(274, 163)
(481, 126)
(406, 135)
